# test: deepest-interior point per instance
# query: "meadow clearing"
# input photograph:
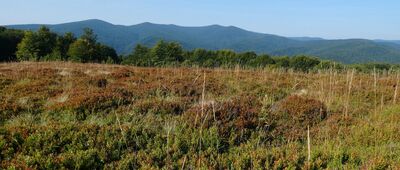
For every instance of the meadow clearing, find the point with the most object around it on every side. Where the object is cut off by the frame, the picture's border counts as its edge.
(57, 115)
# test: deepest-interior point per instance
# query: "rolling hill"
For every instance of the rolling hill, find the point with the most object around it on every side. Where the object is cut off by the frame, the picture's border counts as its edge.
(124, 38)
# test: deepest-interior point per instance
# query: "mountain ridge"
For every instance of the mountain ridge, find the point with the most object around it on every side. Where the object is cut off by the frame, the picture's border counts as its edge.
(214, 37)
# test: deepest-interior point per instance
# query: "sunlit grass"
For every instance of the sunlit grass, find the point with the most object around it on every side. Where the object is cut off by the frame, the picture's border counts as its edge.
(66, 115)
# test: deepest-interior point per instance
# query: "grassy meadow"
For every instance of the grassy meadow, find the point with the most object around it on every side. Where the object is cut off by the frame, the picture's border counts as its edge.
(60, 115)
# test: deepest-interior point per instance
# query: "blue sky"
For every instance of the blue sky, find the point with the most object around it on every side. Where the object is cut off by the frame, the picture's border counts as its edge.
(333, 19)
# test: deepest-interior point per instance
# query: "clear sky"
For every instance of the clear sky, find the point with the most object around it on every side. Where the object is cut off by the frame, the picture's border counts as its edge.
(372, 19)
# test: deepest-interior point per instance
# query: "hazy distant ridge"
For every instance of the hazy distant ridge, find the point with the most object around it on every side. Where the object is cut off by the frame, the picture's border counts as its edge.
(124, 38)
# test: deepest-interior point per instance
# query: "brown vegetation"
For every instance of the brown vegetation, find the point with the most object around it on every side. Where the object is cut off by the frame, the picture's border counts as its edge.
(66, 115)
(290, 117)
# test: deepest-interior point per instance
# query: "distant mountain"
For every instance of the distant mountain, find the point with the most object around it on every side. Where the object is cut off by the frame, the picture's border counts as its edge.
(396, 41)
(389, 41)
(306, 38)
(124, 38)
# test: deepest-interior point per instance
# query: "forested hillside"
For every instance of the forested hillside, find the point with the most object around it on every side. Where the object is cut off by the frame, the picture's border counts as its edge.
(45, 45)
(216, 37)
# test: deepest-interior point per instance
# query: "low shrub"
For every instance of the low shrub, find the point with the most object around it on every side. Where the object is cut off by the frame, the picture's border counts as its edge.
(99, 101)
(290, 117)
(85, 159)
(160, 106)
(232, 117)
(129, 161)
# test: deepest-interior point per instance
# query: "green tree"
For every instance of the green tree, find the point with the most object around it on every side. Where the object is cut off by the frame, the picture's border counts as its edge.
(303, 63)
(62, 45)
(224, 57)
(282, 62)
(80, 51)
(164, 53)
(36, 45)
(9, 40)
(245, 58)
(85, 48)
(325, 64)
(261, 61)
(139, 57)
(198, 57)
(46, 40)
(28, 48)
(106, 54)
(89, 35)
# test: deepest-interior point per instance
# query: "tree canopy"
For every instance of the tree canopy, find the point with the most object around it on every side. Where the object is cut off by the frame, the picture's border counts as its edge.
(36, 45)
(46, 45)
(87, 49)
(9, 39)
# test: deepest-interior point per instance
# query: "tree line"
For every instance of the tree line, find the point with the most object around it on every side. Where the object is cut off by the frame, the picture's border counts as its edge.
(172, 54)
(44, 45)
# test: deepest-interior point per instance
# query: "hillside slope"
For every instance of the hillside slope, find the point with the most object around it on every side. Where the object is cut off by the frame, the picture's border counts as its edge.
(124, 38)
(60, 115)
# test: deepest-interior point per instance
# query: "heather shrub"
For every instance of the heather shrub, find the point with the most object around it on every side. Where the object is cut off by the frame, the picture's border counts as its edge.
(129, 161)
(9, 143)
(84, 159)
(99, 82)
(122, 73)
(238, 115)
(377, 163)
(160, 106)
(99, 101)
(290, 117)
(91, 116)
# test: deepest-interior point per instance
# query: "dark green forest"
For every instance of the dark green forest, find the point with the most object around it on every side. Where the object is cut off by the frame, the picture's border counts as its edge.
(45, 45)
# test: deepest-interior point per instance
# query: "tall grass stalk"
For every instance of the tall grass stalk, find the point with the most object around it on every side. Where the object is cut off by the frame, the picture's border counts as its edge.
(122, 130)
(183, 164)
(375, 91)
(350, 77)
(309, 144)
(202, 114)
(329, 102)
(322, 94)
(396, 88)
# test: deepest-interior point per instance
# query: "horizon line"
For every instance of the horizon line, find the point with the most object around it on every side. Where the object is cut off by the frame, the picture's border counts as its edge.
(196, 26)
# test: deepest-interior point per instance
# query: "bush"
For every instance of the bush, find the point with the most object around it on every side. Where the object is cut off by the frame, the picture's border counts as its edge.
(238, 115)
(160, 106)
(129, 161)
(9, 144)
(102, 100)
(85, 159)
(303, 63)
(290, 117)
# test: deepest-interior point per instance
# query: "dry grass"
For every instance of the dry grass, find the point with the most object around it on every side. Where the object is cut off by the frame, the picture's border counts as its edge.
(238, 103)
